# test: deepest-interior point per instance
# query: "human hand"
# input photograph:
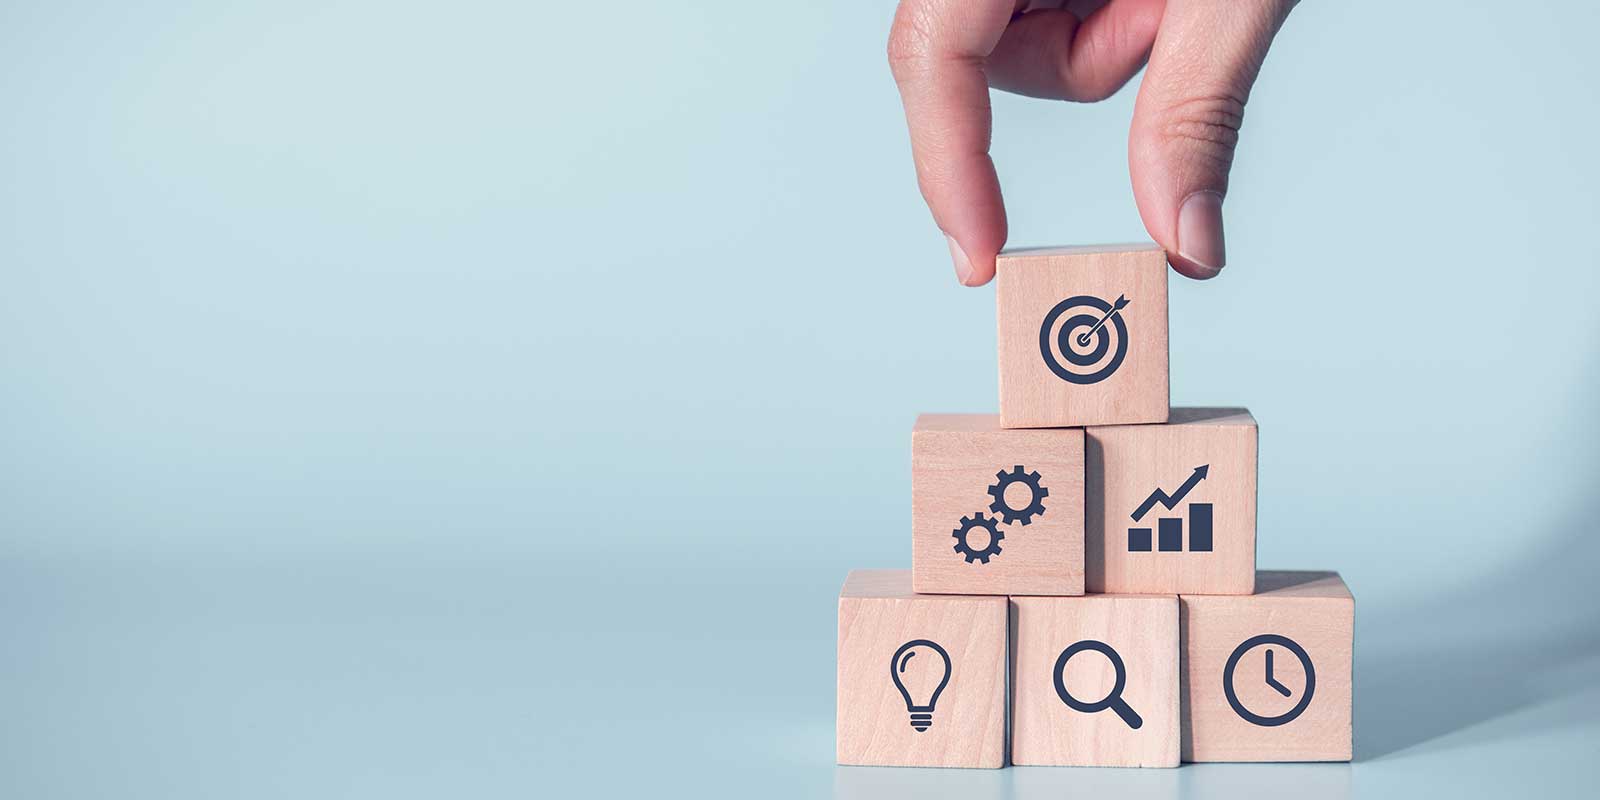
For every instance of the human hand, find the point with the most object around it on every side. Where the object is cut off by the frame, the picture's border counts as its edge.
(1203, 54)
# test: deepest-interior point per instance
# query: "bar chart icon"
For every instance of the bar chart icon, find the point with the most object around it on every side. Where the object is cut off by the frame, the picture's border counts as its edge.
(1169, 530)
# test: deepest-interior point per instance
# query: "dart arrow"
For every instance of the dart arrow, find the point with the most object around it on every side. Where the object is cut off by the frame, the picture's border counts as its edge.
(1088, 335)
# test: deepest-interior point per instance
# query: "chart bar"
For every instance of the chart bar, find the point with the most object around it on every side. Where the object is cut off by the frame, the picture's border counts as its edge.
(1138, 540)
(1170, 533)
(1200, 527)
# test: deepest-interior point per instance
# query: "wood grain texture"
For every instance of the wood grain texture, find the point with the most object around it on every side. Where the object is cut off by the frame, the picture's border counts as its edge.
(878, 613)
(1124, 464)
(955, 460)
(1030, 283)
(1143, 630)
(1316, 611)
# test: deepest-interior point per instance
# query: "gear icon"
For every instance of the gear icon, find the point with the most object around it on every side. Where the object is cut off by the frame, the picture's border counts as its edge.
(998, 492)
(978, 520)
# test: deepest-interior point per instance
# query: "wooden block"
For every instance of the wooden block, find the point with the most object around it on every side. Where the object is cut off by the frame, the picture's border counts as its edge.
(1172, 508)
(1267, 677)
(995, 511)
(1083, 336)
(1067, 708)
(922, 678)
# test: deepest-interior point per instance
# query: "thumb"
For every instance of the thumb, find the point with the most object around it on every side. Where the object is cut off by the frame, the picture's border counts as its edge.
(1186, 122)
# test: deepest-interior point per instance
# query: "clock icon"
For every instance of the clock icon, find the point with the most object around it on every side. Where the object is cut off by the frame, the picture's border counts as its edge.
(1270, 649)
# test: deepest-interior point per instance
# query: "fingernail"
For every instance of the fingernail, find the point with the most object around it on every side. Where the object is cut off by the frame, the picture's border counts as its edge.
(1200, 231)
(963, 264)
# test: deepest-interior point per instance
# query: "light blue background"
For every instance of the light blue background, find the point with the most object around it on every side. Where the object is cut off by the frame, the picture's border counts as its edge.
(488, 398)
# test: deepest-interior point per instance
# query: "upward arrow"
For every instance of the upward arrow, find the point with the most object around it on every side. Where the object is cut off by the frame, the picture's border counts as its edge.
(1173, 499)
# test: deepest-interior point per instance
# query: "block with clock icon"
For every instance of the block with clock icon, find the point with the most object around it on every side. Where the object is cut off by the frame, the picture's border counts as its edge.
(922, 678)
(1267, 677)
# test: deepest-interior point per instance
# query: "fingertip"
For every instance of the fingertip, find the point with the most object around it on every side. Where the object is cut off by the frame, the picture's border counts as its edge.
(1192, 269)
(980, 276)
(970, 271)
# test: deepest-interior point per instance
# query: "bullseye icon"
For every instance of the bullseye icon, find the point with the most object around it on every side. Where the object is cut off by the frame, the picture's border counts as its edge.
(1086, 333)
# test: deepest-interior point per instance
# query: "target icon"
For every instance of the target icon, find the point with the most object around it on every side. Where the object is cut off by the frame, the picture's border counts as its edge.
(1083, 339)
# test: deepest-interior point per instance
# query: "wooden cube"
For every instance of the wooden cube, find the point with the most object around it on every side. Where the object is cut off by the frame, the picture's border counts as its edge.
(922, 678)
(1268, 677)
(1172, 508)
(1095, 681)
(1083, 336)
(995, 511)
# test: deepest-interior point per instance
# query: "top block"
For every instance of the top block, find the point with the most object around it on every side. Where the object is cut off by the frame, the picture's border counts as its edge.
(1083, 336)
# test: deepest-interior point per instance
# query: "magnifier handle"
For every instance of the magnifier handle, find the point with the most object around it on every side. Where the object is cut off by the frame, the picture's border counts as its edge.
(1128, 715)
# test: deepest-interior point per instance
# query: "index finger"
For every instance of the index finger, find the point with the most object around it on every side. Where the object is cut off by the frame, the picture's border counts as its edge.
(936, 51)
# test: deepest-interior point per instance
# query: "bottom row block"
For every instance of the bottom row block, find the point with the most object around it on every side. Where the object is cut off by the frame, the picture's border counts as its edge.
(1096, 680)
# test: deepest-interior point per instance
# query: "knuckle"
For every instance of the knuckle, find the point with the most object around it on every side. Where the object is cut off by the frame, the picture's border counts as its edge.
(910, 41)
(1098, 79)
(1091, 87)
(1085, 81)
(1207, 124)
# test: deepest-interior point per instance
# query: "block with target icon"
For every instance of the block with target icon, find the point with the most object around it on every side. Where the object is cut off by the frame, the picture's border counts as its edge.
(1083, 336)
(995, 511)
(1172, 508)
(1267, 677)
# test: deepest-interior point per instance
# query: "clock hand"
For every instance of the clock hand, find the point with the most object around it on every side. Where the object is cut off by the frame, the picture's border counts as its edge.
(1283, 690)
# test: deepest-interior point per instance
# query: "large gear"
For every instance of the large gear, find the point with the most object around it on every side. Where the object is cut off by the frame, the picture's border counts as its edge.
(998, 492)
(978, 520)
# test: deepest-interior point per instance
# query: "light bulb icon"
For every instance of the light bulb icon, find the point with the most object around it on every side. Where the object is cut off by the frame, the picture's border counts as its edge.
(919, 678)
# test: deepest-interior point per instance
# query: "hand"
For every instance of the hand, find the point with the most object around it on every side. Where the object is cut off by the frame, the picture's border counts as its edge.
(1203, 54)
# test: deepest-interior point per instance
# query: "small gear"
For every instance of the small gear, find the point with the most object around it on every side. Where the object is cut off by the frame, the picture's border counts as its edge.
(978, 520)
(998, 492)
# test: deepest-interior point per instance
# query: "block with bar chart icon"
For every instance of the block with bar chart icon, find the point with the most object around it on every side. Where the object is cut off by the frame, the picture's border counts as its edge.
(922, 678)
(1267, 677)
(1083, 336)
(1172, 507)
(1095, 681)
(995, 511)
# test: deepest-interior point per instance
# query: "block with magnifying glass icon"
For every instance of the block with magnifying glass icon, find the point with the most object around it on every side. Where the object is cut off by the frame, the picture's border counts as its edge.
(1267, 677)
(922, 678)
(1082, 335)
(1094, 681)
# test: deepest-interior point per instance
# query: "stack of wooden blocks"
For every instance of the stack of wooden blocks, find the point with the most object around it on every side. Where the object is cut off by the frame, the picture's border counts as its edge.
(1056, 612)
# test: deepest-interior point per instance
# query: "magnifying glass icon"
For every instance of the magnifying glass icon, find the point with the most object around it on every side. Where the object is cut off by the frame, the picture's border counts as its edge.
(1113, 700)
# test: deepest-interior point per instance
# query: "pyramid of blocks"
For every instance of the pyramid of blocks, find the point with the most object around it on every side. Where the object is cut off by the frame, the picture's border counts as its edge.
(1083, 587)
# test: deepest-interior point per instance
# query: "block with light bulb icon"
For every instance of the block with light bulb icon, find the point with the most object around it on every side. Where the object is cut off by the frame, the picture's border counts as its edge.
(922, 678)
(1267, 677)
(996, 511)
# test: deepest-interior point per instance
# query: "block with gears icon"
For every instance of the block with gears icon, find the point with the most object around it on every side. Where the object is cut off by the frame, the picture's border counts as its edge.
(995, 511)
(1083, 335)
(922, 678)
(1172, 508)
(1268, 677)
